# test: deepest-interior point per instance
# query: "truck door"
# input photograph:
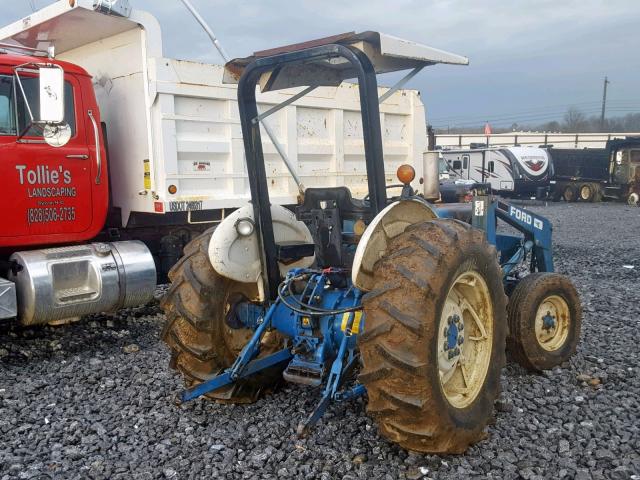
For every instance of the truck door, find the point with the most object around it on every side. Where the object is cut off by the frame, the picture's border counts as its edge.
(494, 172)
(51, 188)
(626, 161)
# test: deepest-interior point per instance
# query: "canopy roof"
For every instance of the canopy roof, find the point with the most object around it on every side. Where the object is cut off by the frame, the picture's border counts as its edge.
(387, 54)
(67, 25)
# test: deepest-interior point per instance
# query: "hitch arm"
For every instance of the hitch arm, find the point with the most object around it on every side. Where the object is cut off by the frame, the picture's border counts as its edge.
(246, 364)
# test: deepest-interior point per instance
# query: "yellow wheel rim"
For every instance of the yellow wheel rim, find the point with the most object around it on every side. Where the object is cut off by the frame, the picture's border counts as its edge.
(465, 338)
(552, 323)
(585, 192)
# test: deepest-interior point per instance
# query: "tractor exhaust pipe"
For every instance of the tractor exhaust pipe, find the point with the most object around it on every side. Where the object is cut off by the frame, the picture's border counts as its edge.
(431, 175)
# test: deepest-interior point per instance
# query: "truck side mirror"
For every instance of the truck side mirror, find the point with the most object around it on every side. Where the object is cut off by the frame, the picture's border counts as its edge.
(51, 95)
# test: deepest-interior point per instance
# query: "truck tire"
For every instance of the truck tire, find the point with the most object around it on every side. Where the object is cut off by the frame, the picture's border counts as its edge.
(432, 371)
(633, 199)
(586, 192)
(532, 342)
(202, 344)
(597, 194)
(569, 193)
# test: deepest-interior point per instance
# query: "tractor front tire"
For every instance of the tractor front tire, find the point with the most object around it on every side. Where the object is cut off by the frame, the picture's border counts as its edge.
(433, 346)
(545, 318)
(202, 344)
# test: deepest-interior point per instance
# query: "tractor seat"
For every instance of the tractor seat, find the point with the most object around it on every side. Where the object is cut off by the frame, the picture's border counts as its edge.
(294, 251)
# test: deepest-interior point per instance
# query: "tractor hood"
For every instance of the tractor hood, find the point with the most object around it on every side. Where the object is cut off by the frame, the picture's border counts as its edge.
(387, 54)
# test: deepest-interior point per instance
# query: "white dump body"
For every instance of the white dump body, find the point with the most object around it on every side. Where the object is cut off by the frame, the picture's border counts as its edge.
(172, 122)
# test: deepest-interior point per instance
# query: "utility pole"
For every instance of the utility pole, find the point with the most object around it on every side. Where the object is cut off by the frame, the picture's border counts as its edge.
(604, 103)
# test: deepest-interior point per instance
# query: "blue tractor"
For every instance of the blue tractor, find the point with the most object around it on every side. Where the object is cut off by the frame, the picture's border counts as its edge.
(413, 305)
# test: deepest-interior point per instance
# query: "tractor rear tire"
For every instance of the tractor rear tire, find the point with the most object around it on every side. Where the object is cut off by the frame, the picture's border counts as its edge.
(202, 344)
(530, 342)
(422, 398)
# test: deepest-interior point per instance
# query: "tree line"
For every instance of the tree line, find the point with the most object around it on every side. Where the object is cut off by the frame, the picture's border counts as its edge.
(573, 121)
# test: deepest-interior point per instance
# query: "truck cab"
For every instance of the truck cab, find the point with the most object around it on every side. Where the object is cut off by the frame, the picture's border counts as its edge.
(55, 178)
(625, 161)
(55, 198)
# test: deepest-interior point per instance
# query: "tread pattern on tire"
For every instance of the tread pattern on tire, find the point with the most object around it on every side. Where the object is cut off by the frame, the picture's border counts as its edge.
(522, 345)
(404, 392)
(194, 327)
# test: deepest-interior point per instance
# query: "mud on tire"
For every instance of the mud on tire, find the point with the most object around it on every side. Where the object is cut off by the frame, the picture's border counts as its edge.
(399, 346)
(546, 348)
(202, 344)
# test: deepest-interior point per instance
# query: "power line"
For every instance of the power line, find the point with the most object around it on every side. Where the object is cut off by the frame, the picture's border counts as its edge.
(516, 116)
(536, 110)
(529, 117)
(32, 3)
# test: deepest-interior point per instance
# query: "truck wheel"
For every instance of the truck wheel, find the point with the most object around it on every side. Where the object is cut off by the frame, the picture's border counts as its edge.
(202, 343)
(545, 318)
(597, 193)
(633, 199)
(569, 194)
(434, 342)
(586, 192)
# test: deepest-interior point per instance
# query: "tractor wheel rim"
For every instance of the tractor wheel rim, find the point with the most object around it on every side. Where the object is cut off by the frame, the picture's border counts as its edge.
(465, 339)
(552, 323)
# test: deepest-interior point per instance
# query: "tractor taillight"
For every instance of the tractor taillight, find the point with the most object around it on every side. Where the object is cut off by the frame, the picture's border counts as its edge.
(406, 174)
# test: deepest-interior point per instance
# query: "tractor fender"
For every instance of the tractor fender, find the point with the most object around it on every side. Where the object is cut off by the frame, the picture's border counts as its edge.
(388, 224)
(237, 257)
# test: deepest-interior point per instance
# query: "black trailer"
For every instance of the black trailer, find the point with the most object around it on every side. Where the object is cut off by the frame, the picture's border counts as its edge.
(589, 174)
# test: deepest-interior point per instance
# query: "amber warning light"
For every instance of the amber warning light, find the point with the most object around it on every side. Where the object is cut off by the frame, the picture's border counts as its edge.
(406, 174)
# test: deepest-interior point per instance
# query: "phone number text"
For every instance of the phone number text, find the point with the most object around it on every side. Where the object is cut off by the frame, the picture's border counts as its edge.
(51, 214)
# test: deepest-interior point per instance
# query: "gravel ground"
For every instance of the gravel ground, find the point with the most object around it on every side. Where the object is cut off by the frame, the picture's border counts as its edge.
(94, 399)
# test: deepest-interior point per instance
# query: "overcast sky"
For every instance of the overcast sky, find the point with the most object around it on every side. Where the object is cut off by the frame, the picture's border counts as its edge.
(530, 60)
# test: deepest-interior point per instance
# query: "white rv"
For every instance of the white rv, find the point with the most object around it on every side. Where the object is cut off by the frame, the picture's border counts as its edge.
(511, 171)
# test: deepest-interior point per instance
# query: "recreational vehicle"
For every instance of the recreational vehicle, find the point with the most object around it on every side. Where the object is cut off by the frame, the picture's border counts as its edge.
(511, 171)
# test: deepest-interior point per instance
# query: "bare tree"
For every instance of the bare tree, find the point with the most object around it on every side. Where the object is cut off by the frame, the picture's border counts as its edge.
(574, 120)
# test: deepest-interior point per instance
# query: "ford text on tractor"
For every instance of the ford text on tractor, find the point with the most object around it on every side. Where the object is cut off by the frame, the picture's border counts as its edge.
(384, 295)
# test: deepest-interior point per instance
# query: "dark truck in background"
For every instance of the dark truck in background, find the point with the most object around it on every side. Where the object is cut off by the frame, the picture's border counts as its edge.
(591, 174)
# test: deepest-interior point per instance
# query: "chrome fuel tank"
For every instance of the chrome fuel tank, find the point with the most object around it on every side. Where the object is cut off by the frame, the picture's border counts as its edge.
(61, 283)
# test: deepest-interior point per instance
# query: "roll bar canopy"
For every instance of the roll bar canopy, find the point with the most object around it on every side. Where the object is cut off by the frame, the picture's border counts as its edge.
(386, 53)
